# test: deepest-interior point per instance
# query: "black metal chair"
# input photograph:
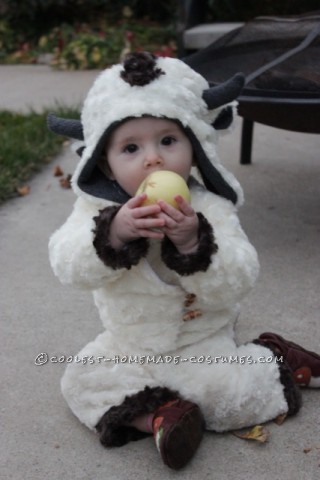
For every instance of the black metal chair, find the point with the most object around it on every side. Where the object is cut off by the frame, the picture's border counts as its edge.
(282, 87)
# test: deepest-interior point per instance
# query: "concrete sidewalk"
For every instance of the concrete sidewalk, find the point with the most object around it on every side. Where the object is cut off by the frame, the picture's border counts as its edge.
(40, 438)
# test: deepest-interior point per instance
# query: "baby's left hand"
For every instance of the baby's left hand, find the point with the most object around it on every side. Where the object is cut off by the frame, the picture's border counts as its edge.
(181, 226)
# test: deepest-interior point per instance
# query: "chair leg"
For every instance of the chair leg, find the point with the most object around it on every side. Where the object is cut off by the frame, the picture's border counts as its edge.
(246, 141)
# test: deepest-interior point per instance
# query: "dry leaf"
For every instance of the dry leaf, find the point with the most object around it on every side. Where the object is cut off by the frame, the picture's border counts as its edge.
(24, 190)
(258, 433)
(307, 450)
(280, 419)
(58, 172)
(65, 182)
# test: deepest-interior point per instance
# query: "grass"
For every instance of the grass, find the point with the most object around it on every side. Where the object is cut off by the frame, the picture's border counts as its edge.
(26, 145)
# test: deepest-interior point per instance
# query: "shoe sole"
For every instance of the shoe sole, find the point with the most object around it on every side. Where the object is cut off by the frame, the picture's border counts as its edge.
(183, 440)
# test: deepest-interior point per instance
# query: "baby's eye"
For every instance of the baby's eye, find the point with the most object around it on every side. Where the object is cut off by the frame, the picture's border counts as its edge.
(168, 140)
(131, 148)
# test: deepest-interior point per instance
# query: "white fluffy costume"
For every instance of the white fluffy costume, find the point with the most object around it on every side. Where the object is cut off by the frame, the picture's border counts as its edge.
(168, 318)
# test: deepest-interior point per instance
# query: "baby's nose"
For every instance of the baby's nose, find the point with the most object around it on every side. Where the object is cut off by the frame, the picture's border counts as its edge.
(153, 158)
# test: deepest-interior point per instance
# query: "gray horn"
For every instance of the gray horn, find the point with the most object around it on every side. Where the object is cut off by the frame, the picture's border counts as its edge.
(67, 127)
(225, 92)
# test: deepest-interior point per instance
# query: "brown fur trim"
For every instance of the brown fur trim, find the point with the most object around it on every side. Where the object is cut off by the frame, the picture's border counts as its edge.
(130, 254)
(290, 389)
(112, 425)
(140, 69)
(193, 262)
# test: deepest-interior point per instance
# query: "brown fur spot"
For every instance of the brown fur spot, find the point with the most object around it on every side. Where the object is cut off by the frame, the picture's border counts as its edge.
(140, 69)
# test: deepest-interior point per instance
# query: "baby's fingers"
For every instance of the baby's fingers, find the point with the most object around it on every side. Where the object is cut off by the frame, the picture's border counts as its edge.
(137, 201)
(170, 211)
(184, 206)
(136, 205)
(144, 223)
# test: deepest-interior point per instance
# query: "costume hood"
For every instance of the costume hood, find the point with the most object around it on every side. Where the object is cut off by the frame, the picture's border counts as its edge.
(160, 87)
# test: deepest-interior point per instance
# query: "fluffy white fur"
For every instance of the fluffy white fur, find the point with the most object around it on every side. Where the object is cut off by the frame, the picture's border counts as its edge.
(176, 95)
(142, 309)
(142, 312)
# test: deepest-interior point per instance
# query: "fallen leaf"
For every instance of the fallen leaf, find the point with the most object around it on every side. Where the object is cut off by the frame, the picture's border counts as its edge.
(58, 172)
(24, 190)
(280, 419)
(307, 450)
(258, 433)
(65, 182)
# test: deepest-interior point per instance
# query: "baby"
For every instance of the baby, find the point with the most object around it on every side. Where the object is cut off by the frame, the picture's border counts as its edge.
(167, 281)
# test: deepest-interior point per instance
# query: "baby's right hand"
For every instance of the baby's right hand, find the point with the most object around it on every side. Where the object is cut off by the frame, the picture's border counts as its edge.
(134, 221)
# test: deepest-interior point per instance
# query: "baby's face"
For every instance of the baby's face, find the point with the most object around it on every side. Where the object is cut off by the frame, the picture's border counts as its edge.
(143, 145)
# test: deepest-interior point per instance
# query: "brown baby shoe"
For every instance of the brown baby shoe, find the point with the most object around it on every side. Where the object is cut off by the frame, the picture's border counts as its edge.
(304, 364)
(178, 429)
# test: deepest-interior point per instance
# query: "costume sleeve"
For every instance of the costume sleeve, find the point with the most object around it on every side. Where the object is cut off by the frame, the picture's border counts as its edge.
(225, 267)
(73, 255)
(125, 257)
(194, 262)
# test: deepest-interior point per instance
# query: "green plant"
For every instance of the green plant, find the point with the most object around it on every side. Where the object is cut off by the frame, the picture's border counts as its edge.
(89, 51)
(26, 145)
(33, 18)
(89, 48)
(79, 45)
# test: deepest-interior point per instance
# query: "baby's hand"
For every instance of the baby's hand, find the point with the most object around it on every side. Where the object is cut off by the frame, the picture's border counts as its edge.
(181, 226)
(134, 221)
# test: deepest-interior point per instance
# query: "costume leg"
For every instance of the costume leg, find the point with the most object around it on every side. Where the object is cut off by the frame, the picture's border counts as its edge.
(97, 381)
(178, 424)
(234, 386)
(112, 425)
(107, 396)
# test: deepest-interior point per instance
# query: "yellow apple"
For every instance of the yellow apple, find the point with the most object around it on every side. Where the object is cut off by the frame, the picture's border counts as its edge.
(164, 185)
